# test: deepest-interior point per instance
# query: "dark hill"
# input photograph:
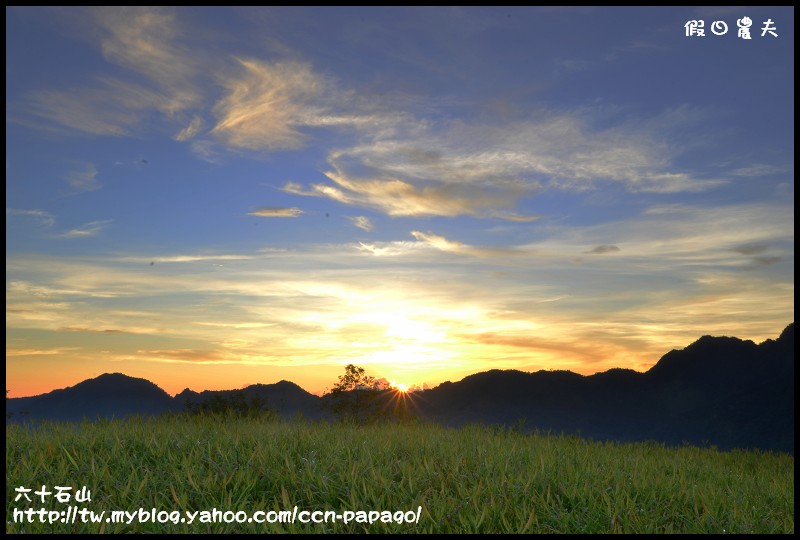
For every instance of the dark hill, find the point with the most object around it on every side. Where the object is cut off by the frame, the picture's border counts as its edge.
(111, 395)
(719, 391)
(284, 397)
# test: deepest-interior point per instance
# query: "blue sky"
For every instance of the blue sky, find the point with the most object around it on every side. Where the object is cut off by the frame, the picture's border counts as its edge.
(211, 197)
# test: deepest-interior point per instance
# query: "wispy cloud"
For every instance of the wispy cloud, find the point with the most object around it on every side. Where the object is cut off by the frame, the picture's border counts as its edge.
(39, 352)
(440, 242)
(206, 150)
(484, 170)
(266, 104)
(750, 249)
(45, 218)
(183, 258)
(397, 197)
(190, 131)
(111, 108)
(145, 40)
(759, 169)
(90, 229)
(443, 244)
(276, 212)
(387, 249)
(82, 329)
(182, 355)
(766, 261)
(362, 222)
(605, 248)
(84, 179)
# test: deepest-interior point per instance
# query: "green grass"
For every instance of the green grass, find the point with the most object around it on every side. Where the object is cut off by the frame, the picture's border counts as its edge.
(468, 480)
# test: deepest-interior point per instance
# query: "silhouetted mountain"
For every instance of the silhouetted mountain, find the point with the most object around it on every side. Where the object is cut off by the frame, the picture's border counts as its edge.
(111, 395)
(285, 397)
(719, 391)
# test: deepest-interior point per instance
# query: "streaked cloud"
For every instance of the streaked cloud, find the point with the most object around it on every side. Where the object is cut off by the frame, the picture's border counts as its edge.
(518, 218)
(84, 179)
(39, 352)
(485, 170)
(45, 218)
(146, 40)
(443, 244)
(400, 198)
(184, 258)
(267, 104)
(111, 108)
(190, 131)
(440, 242)
(276, 212)
(103, 330)
(750, 249)
(766, 261)
(362, 222)
(206, 150)
(92, 228)
(387, 249)
(760, 169)
(605, 248)
(181, 355)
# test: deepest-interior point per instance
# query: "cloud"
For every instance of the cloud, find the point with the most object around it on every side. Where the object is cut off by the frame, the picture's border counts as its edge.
(605, 248)
(81, 329)
(387, 249)
(145, 40)
(84, 180)
(276, 212)
(140, 39)
(450, 246)
(38, 352)
(266, 104)
(183, 258)
(111, 108)
(759, 169)
(90, 229)
(45, 218)
(518, 218)
(397, 197)
(766, 261)
(362, 222)
(205, 150)
(190, 131)
(750, 249)
(198, 356)
(440, 242)
(424, 167)
(587, 354)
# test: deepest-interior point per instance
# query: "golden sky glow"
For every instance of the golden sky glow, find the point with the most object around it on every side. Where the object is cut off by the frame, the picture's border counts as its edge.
(216, 198)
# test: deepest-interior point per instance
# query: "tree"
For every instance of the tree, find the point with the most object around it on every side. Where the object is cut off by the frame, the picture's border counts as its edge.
(231, 404)
(355, 397)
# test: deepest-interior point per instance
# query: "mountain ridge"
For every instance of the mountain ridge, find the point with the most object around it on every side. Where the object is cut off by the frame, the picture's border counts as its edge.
(720, 391)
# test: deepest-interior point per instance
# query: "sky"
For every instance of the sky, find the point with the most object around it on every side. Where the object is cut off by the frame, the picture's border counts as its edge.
(215, 197)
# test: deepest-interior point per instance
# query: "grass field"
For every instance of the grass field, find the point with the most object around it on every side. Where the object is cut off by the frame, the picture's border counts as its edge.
(472, 479)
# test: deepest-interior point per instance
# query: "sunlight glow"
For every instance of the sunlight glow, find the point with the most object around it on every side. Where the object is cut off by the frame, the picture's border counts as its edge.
(400, 387)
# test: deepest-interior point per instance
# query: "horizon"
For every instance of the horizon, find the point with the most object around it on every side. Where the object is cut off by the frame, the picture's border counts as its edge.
(378, 379)
(209, 197)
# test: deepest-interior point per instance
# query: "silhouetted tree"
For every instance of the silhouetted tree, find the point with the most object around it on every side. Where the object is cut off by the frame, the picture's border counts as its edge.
(355, 397)
(235, 404)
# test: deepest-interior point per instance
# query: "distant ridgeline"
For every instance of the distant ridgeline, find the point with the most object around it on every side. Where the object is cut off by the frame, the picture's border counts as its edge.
(717, 391)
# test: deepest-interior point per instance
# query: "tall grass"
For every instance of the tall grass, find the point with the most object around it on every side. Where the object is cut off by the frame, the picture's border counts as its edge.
(472, 479)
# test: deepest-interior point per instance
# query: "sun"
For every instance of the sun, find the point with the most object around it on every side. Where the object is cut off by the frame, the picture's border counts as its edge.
(400, 387)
